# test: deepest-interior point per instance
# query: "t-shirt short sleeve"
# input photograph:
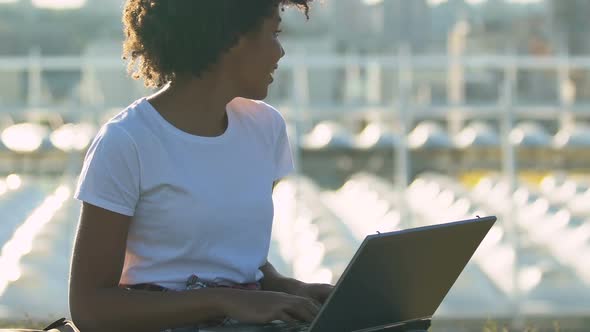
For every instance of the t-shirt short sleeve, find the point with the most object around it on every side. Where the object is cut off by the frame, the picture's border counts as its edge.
(110, 175)
(283, 157)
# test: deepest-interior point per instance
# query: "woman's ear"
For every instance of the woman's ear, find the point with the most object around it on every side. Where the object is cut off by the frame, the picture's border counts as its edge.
(241, 44)
(233, 53)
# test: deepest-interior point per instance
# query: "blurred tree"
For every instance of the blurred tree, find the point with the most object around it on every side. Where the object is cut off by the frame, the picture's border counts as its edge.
(571, 24)
(572, 33)
(53, 31)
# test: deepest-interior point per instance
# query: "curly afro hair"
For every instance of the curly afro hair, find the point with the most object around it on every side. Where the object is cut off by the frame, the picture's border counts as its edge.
(165, 38)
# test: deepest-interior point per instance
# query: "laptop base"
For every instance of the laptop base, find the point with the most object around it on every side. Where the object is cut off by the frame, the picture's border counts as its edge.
(418, 325)
(412, 326)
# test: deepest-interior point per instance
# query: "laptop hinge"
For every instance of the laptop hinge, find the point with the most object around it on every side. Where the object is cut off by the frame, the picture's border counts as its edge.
(398, 324)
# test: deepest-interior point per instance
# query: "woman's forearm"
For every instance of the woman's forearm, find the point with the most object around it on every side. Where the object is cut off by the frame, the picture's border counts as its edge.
(125, 310)
(274, 281)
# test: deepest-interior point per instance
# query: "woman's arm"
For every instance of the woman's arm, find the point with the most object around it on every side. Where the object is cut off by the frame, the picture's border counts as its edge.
(98, 304)
(96, 301)
(276, 282)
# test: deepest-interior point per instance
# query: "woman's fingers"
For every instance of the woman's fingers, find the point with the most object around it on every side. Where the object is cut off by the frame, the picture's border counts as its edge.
(313, 307)
(287, 318)
(304, 310)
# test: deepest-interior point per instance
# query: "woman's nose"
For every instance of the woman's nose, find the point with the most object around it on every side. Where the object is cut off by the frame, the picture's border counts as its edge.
(282, 51)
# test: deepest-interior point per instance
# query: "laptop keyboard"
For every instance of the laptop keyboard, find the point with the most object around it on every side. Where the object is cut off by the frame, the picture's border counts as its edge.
(287, 327)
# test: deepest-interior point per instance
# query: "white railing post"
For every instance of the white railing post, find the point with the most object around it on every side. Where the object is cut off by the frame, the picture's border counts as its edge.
(566, 91)
(299, 103)
(509, 168)
(402, 155)
(373, 82)
(35, 80)
(456, 75)
(352, 80)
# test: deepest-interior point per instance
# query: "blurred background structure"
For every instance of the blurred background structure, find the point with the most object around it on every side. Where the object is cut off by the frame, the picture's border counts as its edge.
(401, 113)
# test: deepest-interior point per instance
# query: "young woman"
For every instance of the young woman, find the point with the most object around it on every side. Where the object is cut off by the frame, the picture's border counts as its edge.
(176, 189)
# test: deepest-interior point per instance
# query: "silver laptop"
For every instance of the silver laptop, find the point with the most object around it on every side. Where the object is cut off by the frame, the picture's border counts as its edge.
(395, 279)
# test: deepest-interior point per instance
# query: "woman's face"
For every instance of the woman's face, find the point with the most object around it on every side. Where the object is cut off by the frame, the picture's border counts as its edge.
(259, 53)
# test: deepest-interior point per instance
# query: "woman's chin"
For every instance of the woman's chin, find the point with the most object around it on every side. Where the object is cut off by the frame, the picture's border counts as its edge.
(260, 94)
(256, 89)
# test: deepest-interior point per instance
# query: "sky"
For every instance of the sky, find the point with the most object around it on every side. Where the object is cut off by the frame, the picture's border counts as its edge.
(53, 4)
(69, 4)
(473, 2)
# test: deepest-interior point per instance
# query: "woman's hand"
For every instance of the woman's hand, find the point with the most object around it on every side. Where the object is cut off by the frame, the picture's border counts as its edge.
(266, 306)
(317, 292)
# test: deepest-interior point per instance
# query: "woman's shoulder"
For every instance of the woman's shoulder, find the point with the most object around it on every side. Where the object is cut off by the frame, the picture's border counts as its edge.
(123, 127)
(131, 120)
(128, 116)
(258, 109)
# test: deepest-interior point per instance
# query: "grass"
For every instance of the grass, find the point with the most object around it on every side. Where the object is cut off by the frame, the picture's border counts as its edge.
(23, 324)
(531, 324)
(487, 326)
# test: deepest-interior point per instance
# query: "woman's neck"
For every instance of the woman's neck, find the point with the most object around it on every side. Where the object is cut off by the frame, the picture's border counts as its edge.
(196, 106)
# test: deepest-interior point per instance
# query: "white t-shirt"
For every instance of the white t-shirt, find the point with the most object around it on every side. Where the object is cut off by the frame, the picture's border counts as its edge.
(199, 205)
